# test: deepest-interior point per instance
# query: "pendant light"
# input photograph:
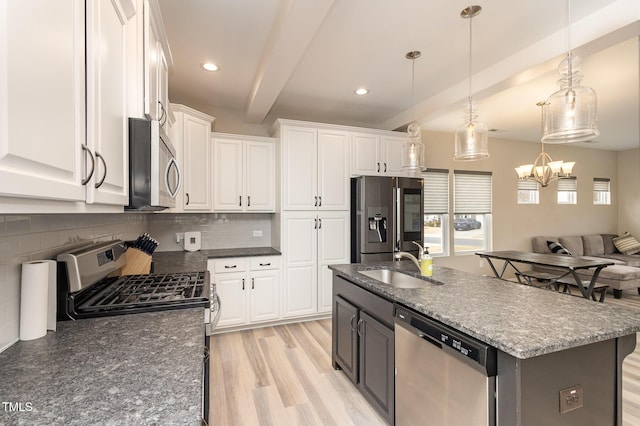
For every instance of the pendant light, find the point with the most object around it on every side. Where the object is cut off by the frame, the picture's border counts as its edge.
(571, 112)
(544, 170)
(412, 149)
(472, 136)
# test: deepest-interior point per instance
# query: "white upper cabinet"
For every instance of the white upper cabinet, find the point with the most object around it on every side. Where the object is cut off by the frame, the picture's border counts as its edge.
(42, 99)
(315, 168)
(191, 135)
(377, 154)
(106, 73)
(243, 173)
(156, 65)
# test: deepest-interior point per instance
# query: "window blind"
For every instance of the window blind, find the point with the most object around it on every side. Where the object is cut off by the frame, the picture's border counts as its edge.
(601, 184)
(527, 185)
(436, 191)
(568, 184)
(471, 192)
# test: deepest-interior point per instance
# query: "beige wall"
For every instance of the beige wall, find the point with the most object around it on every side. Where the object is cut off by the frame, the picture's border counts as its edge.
(628, 196)
(514, 224)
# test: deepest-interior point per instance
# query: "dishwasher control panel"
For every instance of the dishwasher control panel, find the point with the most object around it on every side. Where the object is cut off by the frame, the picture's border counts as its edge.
(442, 335)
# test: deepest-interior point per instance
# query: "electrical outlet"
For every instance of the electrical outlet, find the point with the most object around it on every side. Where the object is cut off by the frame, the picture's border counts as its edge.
(257, 233)
(571, 398)
(179, 237)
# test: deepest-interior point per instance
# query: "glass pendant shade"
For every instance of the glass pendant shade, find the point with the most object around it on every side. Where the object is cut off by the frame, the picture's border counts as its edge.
(413, 151)
(571, 112)
(472, 137)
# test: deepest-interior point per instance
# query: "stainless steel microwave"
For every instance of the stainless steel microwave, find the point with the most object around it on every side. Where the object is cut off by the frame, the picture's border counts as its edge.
(154, 173)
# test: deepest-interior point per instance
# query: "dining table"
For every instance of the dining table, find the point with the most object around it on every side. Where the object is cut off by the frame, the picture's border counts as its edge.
(567, 268)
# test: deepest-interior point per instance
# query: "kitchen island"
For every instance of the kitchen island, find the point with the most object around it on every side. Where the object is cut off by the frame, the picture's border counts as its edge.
(545, 341)
(127, 369)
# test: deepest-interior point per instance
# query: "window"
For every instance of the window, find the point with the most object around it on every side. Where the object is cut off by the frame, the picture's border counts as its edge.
(436, 209)
(602, 191)
(472, 210)
(528, 192)
(568, 191)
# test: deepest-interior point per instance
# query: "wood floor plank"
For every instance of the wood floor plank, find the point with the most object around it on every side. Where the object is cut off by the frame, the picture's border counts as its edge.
(303, 374)
(255, 357)
(290, 390)
(320, 334)
(311, 347)
(286, 336)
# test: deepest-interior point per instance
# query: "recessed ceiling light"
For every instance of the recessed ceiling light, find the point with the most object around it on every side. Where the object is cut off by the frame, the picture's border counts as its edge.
(210, 66)
(361, 91)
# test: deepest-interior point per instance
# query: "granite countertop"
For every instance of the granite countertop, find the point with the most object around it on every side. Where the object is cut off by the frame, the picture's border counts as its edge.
(130, 369)
(185, 261)
(520, 320)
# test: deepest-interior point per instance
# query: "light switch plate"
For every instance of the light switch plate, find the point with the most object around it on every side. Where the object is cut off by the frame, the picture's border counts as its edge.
(571, 398)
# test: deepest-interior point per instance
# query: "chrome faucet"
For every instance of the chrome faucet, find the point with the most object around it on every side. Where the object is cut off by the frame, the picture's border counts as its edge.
(400, 254)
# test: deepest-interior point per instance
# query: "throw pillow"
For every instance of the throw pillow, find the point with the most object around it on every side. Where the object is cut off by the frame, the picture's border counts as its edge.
(627, 244)
(557, 248)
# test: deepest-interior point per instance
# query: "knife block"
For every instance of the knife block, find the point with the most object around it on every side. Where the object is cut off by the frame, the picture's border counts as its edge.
(137, 262)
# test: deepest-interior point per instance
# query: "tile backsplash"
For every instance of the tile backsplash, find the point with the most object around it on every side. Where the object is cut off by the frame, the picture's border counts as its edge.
(218, 230)
(31, 237)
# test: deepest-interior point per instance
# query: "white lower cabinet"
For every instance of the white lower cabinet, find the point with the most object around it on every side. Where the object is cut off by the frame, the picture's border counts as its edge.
(312, 241)
(249, 289)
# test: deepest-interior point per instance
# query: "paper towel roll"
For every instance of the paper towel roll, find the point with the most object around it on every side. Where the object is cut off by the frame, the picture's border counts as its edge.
(37, 277)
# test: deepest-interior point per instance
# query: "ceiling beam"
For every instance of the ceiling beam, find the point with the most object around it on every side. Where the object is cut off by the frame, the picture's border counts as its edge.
(295, 27)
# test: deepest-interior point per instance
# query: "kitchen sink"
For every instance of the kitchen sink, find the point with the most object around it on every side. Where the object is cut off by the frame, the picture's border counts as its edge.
(395, 278)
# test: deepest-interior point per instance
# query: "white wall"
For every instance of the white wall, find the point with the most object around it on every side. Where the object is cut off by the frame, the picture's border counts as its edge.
(33, 237)
(514, 224)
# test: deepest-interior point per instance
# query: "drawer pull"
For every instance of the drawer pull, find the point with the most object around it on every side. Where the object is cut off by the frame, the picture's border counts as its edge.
(265, 264)
(230, 266)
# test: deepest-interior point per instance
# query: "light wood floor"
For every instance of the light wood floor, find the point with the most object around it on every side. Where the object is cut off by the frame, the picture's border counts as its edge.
(283, 376)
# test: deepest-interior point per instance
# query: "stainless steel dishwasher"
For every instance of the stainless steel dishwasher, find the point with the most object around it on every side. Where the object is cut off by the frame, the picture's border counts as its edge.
(443, 377)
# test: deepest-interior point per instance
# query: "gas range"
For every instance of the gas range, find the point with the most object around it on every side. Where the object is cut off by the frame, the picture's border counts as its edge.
(89, 286)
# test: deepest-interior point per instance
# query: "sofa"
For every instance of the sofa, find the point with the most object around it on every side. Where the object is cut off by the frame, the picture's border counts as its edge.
(624, 274)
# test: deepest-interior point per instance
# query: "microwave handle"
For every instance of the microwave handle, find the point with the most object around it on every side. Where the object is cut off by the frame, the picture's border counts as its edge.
(173, 193)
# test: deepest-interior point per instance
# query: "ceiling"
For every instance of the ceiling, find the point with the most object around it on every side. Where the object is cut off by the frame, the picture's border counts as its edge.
(303, 59)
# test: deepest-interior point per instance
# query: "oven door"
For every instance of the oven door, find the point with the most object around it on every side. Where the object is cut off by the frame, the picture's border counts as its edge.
(165, 171)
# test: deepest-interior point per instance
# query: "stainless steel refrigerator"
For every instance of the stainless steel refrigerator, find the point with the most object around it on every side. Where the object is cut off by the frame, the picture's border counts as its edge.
(386, 216)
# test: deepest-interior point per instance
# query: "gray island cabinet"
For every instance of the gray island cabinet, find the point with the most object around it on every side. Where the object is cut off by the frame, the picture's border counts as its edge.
(558, 358)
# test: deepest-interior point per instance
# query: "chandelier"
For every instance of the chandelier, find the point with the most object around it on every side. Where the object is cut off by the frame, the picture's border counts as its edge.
(570, 114)
(544, 170)
(413, 150)
(472, 136)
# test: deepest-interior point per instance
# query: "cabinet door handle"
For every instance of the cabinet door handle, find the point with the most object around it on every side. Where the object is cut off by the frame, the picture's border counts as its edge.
(358, 327)
(385, 167)
(243, 283)
(353, 328)
(93, 165)
(163, 115)
(104, 176)
(253, 283)
(265, 264)
(378, 167)
(248, 200)
(230, 266)
(240, 202)
(315, 203)
(320, 201)
(319, 223)
(315, 226)
(187, 195)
